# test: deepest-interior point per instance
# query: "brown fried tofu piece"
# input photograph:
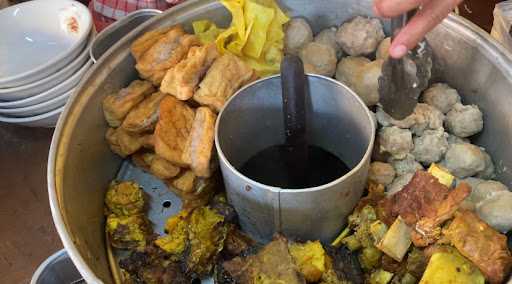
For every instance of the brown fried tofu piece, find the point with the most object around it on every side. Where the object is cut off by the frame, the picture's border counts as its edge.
(481, 244)
(182, 80)
(226, 75)
(144, 116)
(165, 53)
(143, 159)
(194, 191)
(124, 143)
(146, 41)
(420, 198)
(116, 106)
(163, 169)
(199, 147)
(173, 129)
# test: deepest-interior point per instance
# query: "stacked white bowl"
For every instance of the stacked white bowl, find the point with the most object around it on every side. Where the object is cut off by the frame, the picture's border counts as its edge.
(44, 52)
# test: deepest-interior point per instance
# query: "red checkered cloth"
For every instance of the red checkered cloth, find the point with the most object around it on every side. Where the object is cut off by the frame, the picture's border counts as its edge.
(105, 12)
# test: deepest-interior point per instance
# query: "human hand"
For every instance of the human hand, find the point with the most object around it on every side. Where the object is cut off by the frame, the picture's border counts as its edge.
(431, 13)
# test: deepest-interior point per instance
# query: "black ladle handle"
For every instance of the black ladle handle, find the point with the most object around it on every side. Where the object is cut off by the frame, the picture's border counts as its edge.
(293, 84)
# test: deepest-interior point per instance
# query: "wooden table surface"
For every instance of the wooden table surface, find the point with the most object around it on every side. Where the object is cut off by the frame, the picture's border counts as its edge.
(27, 233)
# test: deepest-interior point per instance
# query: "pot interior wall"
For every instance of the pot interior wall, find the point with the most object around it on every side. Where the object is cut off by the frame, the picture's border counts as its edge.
(84, 165)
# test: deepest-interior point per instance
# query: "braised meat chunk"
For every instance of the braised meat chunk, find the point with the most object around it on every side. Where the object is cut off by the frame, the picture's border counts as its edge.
(145, 115)
(199, 147)
(182, 80)
(481, 244)
(227, 74)
(173, 129)
(117, 106)
(164, 54)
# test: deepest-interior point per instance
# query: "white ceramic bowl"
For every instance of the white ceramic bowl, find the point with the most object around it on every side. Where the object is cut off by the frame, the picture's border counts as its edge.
(39, 108)
(40, 37)
(48, 119)
(37, 87)
(61, 88)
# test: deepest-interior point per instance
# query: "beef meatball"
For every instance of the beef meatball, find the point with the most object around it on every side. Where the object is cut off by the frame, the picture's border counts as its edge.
(298, 34)
(485, 189)
(383, 49)
(464, 120)
(497, 212)
(328, 37)
(395, 141)
(464, 160)
(381, 173)
(430, 147)
(319, 59)
(423, 117)
(489, 171)
(362, 76)
(452, 139)
(441, 96)
(405, 165)
(360, 36)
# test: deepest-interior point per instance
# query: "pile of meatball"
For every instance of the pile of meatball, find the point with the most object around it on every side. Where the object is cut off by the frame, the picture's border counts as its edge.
(438, 131)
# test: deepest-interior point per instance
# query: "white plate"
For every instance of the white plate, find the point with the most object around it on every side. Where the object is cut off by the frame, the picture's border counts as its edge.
(49, 82)
(48, 119)
(61, 88)
(40, 37)
(39, 108)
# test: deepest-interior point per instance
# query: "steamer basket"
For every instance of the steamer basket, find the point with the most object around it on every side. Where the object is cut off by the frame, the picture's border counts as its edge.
(81, 165)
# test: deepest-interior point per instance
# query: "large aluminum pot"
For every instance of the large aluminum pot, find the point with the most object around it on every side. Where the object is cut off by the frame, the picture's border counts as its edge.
(81, 165)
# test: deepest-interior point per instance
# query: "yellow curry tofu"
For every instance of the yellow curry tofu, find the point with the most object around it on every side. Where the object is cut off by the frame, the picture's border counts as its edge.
(173, 129)
(181, 81)
(310, 258)
(144, 116)
(117, 106)
(124, 198)
(128, 232)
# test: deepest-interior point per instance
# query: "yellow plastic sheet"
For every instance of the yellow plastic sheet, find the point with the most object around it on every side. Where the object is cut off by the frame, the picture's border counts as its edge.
(256, 33)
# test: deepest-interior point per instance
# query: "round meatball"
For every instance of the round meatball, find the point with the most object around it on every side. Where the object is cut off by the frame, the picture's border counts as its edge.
(497, 212)
(298, 34)
(360, 36)
(423, 117)
(362, 76)
(395, 141)
(464, 121)
(319, 59)
(464, 160)
(328, 37)
(441, 96)
(486, 189)
(452, 139)
(383, 49)
(405, 165)
(489, 171)
(398, 183)
(430, 147)
(381, 173)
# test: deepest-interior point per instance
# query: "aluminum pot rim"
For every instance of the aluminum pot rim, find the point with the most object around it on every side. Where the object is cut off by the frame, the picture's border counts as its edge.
(360, 165)
(491, 49)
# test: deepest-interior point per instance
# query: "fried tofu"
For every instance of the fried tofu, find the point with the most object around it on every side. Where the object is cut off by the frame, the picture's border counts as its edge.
(117, 106)
(144, 116)
(164, 54)
(163, 169)
(481, 244)
(199, 147)
(173, 130)
(143, 159)
(227, 74)
(194, 191)
(124, 143)
(146, 41)
(182, 80)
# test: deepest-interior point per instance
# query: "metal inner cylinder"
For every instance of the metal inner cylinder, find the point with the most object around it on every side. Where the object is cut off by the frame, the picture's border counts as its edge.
(252, 120)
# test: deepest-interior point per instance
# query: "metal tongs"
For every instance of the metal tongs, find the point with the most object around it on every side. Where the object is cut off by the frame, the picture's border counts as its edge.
(403, 80)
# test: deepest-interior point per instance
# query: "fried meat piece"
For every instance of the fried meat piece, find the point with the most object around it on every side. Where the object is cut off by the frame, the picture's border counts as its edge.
(427, 230)
(168, 51)
(124, 143)
(273, 264)
(420, 198)
(163, 169)
(481, 244)
(173, 129)
(199, 148)
(144, 116)
(117, 106)
(227, 74)
(146, 41)
(182, 80)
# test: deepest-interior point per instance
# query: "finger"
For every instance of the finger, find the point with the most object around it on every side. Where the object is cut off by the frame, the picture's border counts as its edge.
(425, 20)
(393, 8)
